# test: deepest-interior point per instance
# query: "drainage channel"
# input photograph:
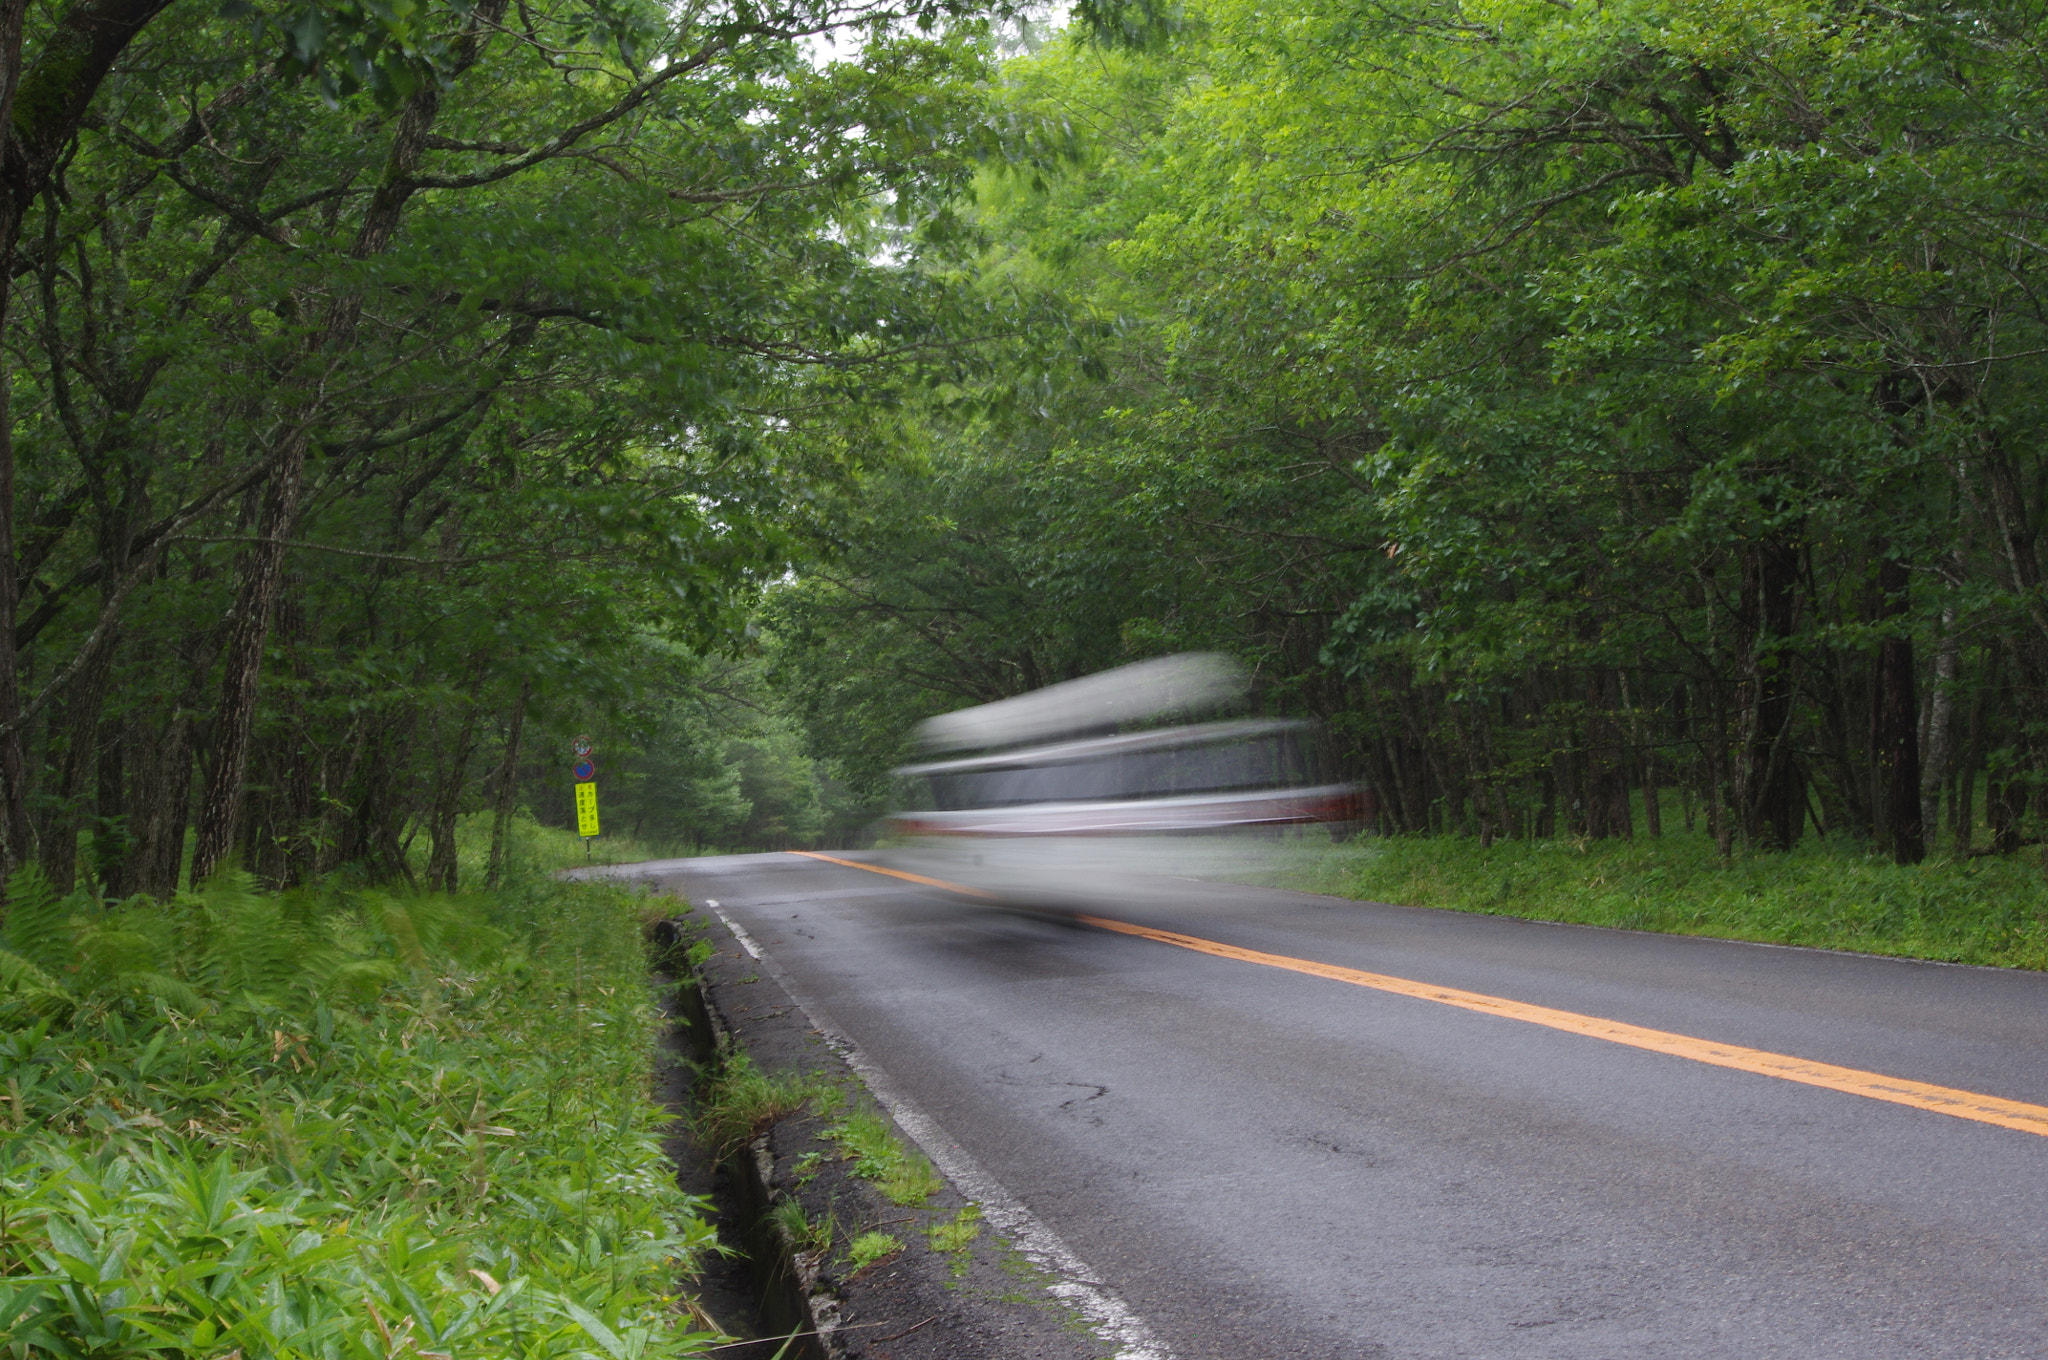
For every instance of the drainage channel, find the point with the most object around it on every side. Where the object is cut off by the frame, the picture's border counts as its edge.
(960, 1281)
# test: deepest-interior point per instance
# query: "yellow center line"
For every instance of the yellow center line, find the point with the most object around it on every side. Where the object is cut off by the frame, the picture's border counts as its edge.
(2010, 1114)
(896, 873)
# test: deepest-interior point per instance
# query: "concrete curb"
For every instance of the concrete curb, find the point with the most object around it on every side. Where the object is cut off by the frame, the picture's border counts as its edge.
(792, 1298)
(920, 1302)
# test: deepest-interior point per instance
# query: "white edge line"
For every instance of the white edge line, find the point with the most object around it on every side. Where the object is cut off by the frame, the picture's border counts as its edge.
(1075, 1282)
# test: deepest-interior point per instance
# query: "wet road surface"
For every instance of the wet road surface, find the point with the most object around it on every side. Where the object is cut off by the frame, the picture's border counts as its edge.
(1268, 1164)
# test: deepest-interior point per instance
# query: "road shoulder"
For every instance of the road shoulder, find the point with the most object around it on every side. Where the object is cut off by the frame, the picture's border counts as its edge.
(981, 1298)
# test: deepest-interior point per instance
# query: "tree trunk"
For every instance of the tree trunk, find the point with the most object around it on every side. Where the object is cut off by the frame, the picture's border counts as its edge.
(1653, 807)
(373, 836)
(262, 566)
(297, 818)
(1715, 749)
(1964, 816)
(79, 771)
(1940, 725)
(1895, 722)
(74, 58)
(507, 789)
(241, 680)
(2005, 806)
(160, 846)
(111, 838)
(17, 839)
(442, 866)
(1773, 805)
(1643, 735)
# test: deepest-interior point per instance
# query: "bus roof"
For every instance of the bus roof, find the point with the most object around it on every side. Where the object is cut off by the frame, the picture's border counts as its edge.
(1188, 683)
(1059, 753)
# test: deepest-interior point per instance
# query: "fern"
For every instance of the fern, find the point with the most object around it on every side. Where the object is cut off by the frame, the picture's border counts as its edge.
(226, 942)
(38, 925)
(241, 944)
(361, 981)
(25, 988)
(403, 922)
(118, 960)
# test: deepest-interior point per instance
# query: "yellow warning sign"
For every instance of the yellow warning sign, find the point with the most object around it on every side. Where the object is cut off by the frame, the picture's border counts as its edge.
(586, 809)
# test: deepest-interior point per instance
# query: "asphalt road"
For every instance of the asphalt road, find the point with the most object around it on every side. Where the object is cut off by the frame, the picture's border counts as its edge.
(1266, 1164)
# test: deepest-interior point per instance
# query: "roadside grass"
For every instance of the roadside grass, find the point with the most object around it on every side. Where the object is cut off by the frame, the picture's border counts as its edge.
(814, 1235)
(904, 1177)
(336, 1124)
(958, 1232)
(738, 1100)
(956, 1236)
(531, 848)
(1825, 894)
(870, 1247)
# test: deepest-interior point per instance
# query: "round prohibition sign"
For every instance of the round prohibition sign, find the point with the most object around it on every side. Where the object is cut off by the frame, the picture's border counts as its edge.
(585, 771)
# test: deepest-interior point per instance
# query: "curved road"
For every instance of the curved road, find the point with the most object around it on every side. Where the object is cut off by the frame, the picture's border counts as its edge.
(1264, 1163)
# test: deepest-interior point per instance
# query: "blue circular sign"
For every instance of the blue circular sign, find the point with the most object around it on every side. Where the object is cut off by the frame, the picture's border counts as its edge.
(585, 771)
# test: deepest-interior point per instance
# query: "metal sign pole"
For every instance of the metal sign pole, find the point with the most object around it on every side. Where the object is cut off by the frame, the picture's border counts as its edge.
(584, 772)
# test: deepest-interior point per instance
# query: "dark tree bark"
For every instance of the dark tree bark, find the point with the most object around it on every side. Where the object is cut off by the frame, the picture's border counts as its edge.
(373, 837)
(1940, 745)
(79, 772)
(334, 834)
(255, 599)
(2005, 807)
(112, 836)
(1963, 808)
(163, 803)
(1615, 756)
(1773, 801)
(40, 112)
(506, 799)
(442, 867)
(295, 824)
(1895, 723)
(262, 565)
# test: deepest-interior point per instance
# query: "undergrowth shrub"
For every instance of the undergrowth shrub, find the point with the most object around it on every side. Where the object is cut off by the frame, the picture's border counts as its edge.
(870, 1142)
(738, 1100)
(334, 1125)
(1822, 893)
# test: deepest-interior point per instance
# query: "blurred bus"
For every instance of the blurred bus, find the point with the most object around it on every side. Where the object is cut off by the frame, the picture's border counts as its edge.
(1063, 823)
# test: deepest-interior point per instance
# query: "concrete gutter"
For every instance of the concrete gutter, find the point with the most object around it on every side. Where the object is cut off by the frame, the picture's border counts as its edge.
(996, 1300)
(794, 1302)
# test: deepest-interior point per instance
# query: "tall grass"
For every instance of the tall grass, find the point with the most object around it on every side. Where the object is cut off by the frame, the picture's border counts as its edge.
(335, 1125)
(531, 848)
(1827, 894)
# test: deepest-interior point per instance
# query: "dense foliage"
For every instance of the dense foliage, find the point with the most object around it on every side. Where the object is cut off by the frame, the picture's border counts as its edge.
(396, 392)
(1595, 413)
(335, 1126)
(1822, 894)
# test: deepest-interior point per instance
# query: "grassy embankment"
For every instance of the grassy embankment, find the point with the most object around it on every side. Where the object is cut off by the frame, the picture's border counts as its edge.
(335, 1124)
(531, 848)
(1826, 894)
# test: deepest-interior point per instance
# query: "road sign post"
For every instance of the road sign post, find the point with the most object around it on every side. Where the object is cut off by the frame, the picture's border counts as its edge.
(585, 773)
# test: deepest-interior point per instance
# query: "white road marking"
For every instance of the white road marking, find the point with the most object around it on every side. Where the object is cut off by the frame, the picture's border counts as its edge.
(1074, 1282)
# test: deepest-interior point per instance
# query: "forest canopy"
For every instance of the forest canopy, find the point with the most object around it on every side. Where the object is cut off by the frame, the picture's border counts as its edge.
(1571, 405)
(386, 383)
(1565, 402)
